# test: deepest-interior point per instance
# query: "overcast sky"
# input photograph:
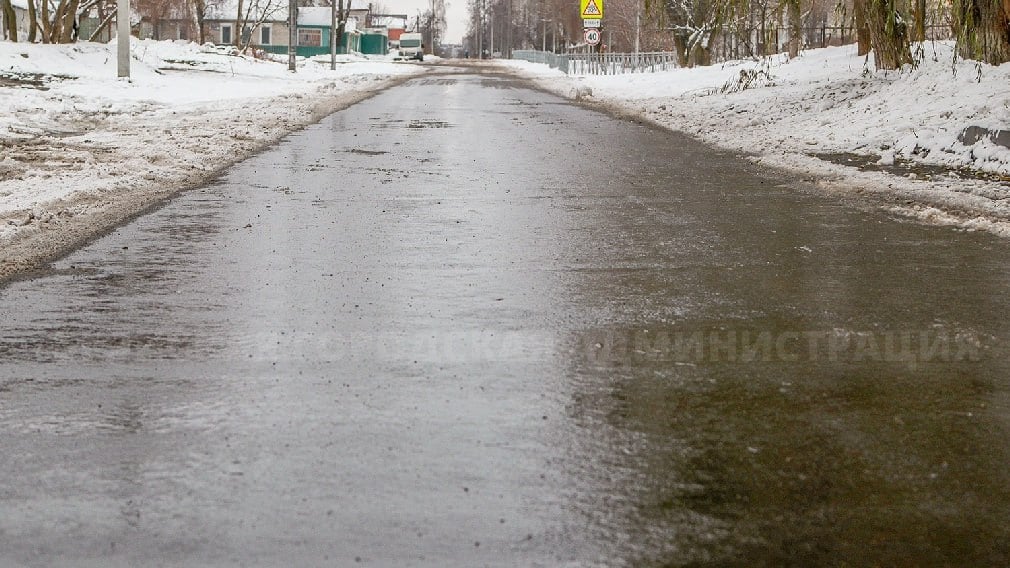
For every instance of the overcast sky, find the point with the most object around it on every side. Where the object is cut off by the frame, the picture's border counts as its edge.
(455, 14)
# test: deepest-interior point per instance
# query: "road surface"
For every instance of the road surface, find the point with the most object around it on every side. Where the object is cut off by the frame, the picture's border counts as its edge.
(466, 323)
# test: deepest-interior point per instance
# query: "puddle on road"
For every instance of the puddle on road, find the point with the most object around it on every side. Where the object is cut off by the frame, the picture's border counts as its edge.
(428, 124)
(413, 124)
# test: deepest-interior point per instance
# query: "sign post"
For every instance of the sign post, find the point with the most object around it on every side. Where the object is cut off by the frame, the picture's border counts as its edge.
(592, 20)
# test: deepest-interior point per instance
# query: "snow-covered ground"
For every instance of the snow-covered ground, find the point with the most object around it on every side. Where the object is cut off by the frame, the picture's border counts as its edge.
(794, 113)
(81, 150)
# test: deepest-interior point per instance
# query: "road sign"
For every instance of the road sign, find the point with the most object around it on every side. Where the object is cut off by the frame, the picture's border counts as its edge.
(591, 9)
(592, 23)
(592, 36)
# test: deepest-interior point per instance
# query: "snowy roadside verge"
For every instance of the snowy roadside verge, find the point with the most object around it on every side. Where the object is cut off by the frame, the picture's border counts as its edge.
(827, 109)
(83, 152)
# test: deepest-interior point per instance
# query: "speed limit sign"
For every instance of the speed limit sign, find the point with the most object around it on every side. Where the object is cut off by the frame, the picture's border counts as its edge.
(592, 36)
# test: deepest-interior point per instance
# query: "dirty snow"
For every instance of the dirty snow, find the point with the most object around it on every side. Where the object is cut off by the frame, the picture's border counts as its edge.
(831, 101)
(75, 140)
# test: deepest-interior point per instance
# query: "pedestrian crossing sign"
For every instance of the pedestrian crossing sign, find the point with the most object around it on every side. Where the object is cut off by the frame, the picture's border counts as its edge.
(591, 9)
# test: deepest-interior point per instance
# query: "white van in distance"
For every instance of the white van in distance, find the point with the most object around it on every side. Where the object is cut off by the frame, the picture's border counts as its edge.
(411, 46)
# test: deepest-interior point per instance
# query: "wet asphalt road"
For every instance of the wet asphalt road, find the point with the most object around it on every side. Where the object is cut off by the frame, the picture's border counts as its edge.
(465, 323)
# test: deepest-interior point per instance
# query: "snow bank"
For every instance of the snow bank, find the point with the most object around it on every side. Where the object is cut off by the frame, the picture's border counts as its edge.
(81, 150)
(831, 101)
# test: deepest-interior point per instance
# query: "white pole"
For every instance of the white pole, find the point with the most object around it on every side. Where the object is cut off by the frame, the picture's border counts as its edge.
(292, 34)
(638, 29)
(123, 37)
(333, 35)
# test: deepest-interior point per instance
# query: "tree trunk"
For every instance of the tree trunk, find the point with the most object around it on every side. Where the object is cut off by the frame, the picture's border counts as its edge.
(33, 22)
(860, 8)
(10, 20)
(920, 21)
(888, 35)
(795, 28)
(52, 24)
(69, 18)
(680, 46)
(236, 32)
(983, 29)
(342, 25)
(200, 13)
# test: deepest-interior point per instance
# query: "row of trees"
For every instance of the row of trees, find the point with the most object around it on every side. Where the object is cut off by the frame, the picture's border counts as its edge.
(701, 31)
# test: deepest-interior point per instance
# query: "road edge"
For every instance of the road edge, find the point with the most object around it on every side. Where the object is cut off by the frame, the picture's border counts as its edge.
(900, 197)
(56, 236)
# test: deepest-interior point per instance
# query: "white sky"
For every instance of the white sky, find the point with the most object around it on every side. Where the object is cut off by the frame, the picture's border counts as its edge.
(455, 14)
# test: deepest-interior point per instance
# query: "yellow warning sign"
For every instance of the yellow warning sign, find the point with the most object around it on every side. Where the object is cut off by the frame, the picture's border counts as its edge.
(591, 9)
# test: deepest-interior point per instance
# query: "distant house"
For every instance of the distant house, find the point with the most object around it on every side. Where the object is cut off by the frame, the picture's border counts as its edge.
(167, 21)
(264, 26)
(393, 24)
(314, 29)
(264, 23)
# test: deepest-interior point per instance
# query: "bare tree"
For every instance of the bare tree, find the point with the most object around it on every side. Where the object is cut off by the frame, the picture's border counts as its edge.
(342, 15)
(889, 35)
(10, 28)
(795, 17)
(256, 12)
(199, 16)
(982, 28)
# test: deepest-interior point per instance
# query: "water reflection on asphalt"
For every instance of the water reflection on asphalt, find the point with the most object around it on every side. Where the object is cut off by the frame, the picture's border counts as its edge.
(463, 323)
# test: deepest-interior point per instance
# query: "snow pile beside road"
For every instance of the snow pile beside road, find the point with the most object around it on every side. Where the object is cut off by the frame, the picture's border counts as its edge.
(805, 112)
(83, 150)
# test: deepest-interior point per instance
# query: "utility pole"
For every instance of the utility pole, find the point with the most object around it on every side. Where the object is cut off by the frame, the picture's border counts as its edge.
(123, 37)
(292, 33)
(480, 29)
(638, 29)
(333, 35)
(508, 32)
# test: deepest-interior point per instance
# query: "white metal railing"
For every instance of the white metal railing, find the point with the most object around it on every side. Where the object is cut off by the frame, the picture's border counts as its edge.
(584, 62)
(591, 63)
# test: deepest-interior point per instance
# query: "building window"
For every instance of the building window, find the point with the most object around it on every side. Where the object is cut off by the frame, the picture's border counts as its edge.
(265, 35)
(225, 34)
(310, 38)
